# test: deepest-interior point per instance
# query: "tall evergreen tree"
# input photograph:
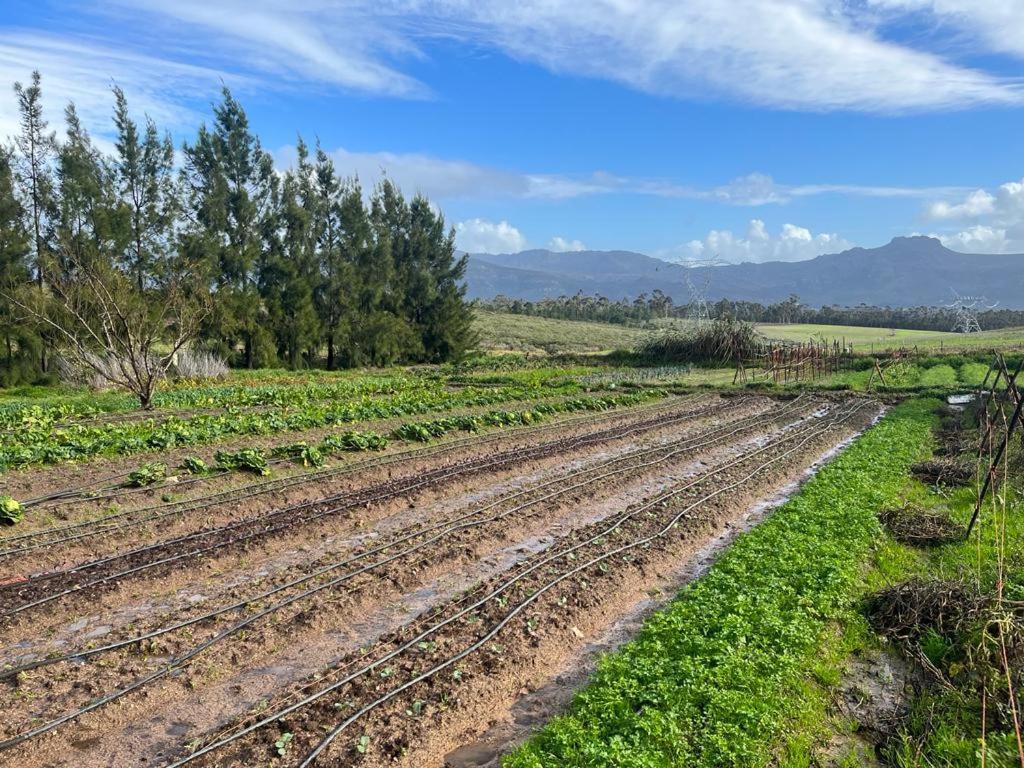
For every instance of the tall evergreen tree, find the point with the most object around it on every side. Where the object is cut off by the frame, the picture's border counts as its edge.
(290, 268)
(84, 226)
(333, 289)
(19, 342)
(144, 165)
(230, 178)
(36, 148)
(436, 297)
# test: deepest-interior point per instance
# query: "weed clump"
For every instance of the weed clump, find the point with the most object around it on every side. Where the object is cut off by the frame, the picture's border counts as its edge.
(920, 527)
(943, 471)
(719, 343)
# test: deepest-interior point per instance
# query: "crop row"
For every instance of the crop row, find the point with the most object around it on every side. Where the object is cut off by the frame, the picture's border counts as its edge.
(307, 454)
(713, 679)
(41, 444)
(32, 414)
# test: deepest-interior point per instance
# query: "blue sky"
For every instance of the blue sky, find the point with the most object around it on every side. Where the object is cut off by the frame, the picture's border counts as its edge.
(730, 129)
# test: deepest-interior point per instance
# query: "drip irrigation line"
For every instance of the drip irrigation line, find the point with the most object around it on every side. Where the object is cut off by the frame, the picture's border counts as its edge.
(359, 498)
(281, 483)
(443, 529)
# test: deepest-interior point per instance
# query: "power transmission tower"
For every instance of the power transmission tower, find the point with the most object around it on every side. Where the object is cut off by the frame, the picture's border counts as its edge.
(966, 309)
(698, 288)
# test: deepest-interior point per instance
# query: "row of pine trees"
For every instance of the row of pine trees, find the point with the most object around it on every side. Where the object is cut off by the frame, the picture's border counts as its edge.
(301, 268)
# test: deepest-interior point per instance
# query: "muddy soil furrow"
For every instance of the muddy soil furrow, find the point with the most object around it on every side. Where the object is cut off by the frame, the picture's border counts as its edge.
(166, 554)
(438, 525)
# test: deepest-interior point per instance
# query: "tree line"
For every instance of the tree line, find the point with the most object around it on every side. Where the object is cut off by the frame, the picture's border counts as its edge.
(644, 309)
(140, 253)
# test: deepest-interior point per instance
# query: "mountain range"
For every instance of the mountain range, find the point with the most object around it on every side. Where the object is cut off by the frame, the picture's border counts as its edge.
(908, 271)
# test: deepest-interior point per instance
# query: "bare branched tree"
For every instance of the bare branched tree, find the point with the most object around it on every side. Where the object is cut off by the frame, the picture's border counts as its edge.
(125, 336)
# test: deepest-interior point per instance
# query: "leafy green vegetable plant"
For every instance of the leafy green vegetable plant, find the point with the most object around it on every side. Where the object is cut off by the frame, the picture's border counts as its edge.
(148, 474)
(246, 460)
(11, 511)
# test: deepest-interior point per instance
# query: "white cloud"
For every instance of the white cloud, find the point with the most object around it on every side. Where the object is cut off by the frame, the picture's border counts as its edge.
(482, 236)
(978, 239)
(994, 23)
(345, 44)
(442, 178)
(798, 54)
(561, 244)
(996, 220)
(793, 243)
(791, 54)
(84, 72)
(978, 203)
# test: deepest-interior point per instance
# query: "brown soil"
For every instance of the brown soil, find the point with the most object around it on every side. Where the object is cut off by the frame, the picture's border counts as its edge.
(541, 504)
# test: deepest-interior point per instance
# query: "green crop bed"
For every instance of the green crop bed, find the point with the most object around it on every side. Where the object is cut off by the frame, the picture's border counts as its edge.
(39, 442)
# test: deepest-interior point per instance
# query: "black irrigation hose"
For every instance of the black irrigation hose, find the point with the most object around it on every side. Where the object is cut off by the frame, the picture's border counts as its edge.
(117, 490)
(684, 445)
(311, 758)
(77, 491)
(354, 499)
(178, 663)
(518, 609)
(240, 494)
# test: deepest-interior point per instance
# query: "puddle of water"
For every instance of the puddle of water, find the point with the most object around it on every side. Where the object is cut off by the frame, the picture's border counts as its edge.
(961, 399)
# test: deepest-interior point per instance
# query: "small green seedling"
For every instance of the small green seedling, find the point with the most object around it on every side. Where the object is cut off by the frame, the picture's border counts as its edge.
(281, 745)
(363, 744)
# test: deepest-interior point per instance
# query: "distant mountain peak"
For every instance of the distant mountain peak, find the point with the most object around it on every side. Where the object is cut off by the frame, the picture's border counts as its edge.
(907, 271)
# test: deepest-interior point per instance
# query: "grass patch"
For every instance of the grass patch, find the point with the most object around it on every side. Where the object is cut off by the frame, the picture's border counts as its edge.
(543, 335)
(866, 339)
(716, 678)
(944, 725)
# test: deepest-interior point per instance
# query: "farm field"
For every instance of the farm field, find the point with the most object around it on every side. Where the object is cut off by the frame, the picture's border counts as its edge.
(864, 338)
(373, 571)
(539, 335)
(501, 331)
